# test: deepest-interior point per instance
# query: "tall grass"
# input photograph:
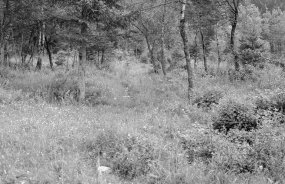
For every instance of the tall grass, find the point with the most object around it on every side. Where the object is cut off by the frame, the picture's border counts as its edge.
(138, 124)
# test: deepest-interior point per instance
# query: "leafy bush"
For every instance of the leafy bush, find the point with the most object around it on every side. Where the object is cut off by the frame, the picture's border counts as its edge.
(207, 100)
(6, 74)
(144, 59)
(200, 149)
(94, 98)
(234, 115)
(177, 55)
(252, 57)
(128, 156)
(246, 74)
(271, 108)
(63, 87)
(265, 154)
(269, 151)
(232, 157)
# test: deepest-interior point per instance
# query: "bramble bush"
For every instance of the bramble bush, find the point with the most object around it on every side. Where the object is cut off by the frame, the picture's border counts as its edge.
(234, 115)
(270, 107)
(128, 156)
(208, 99)
(63, 87)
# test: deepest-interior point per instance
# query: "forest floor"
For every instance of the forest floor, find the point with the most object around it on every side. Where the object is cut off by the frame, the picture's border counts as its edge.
(133, 122)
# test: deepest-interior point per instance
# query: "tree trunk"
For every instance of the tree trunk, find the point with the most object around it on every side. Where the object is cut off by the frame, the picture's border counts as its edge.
(3, 31)
(40, 51)
(162, 41)
(232, 42)
(49, 53)
(204, 51)
(218, 51)
(81, 65)
(152, 58)
(183, 34)
(21, 49)
(98, 60)
(41, 45)
(2, 50)
(67, 60)
(102, 57)
(195, 52)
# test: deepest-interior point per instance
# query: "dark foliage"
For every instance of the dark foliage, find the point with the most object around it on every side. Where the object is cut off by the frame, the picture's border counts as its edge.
(234, 115)
(128, 156)
(207, 100)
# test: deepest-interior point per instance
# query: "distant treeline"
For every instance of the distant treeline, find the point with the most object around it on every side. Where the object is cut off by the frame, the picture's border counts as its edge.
(269, 4)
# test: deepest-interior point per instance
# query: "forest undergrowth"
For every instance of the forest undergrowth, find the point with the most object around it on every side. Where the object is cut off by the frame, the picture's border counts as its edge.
(142, 126)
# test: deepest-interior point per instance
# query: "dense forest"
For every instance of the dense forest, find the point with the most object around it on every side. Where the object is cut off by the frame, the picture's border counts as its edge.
(142, 91)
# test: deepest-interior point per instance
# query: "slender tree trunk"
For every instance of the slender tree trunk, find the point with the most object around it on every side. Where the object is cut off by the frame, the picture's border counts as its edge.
(3, 31)
(204, 51)
(2, 50)
(41, 46)
(67, 60)
(218, 50)
(102, 57)
(195, 52)
(74, 59)
(183, 34)
(152, 58)
(232, 41)
(21, 48)
(40, 51)
(162, 41)
(49, 53)
(82, 63)
(98, 60)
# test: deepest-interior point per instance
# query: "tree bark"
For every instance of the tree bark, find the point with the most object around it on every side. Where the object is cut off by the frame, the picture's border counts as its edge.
(3, 32)
(49, 53)
(195, 52)
(21, 49)
(152, 58)
(183, 34)
(81, 65)
(40, 49)
(235, 12)
(204, 51)
(218, 50)
(162, 41)
(102, 57)
(98, 60)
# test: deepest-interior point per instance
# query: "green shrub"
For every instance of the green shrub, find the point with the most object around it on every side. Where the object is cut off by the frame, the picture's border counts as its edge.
(262, 150)
(207, 100)
(128, 156)
(271, 108)
(233, 157)
(269, 151)
(63, 87)
(94, 98)
(234, 115)
(198, 148)
(246, 74)
(252, 57)
(144, 59)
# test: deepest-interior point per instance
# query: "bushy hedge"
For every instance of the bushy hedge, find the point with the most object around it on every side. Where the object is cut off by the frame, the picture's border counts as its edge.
(271, 108)
(265, 154)
(128, 156)
(207, 100)
(63, 88)
(234, 115)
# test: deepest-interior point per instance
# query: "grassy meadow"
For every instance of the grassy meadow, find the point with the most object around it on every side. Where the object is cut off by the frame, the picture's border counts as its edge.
(141, 126)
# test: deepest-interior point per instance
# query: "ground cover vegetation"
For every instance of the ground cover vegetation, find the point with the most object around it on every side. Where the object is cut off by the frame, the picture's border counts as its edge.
(154, 91)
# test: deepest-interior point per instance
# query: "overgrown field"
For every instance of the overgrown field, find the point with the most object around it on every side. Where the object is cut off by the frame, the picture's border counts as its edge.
(141, 126)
